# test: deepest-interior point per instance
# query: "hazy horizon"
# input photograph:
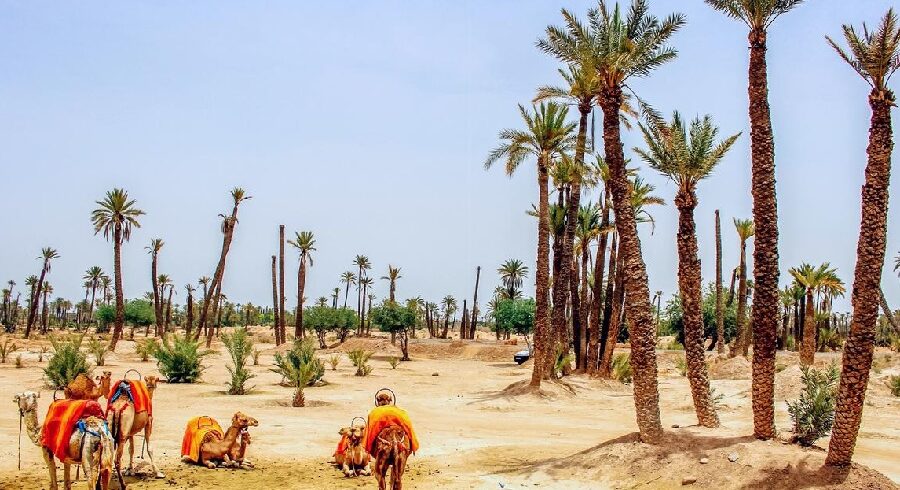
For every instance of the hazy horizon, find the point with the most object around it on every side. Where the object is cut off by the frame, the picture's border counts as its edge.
(369, 125)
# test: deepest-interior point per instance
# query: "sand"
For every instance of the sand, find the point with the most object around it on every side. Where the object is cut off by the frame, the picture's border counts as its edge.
(480, 426)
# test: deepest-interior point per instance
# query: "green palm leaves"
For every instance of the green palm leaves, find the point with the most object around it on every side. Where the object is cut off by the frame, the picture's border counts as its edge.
(116, 211)
(874, 55)
(305, 243)
(745, 228)
(547, 137)
(512, 272)
(757, 14)
(823, 279)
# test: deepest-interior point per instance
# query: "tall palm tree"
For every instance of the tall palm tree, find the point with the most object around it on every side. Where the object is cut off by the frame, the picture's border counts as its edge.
(348, 278)
(280, 332)
(153, 249)
(47, 254)
(322, 301)
(116, 216)
(687, 160)
(94, 275)
(365, 283)
(720, 300)
(45, 311)
(305, 243)
(164, 283)
(758, 15)
(745, 229)
(238, 195)
(587, 231)
(812, 279)
(189, 309)
(546, 137)
(104, 284)
(449, 306)
(335, 294)
(512, 272)
(362, 263)
(875, 56)
(600, 172)
(392, 275)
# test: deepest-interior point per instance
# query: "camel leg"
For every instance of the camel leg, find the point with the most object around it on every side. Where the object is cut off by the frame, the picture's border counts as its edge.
(130, 469)
(380, 471)
(120, 448)
(67, 476)
(51, 466)
(147, 431)
(397, 471)
(365, 469)
(88, 474)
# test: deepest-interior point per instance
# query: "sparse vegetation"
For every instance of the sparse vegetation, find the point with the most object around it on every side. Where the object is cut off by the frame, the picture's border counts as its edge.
(334, 360)
(180, 359)
(394, 361)
(894, 385)
(813, 412)
(97, 348)
(145, 348)
(67, 361)
(41, 352)
(239, 346)
(7, 348)
(681, 365)
(255, 354)
(621, 368)
(19, 363)
(360, 358)
(299, 368)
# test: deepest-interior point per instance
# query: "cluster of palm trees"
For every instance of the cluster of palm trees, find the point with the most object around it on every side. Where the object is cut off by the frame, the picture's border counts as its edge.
(600, 56)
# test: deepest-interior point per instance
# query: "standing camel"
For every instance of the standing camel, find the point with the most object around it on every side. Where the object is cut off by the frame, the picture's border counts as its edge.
(126, 420)
(90, 445)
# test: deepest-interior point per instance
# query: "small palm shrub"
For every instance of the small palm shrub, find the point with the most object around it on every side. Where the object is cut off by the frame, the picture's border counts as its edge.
(621, 368)
(813, 412)
(334, 360)
(790, 343)
(41, 353)
(256, 353)
(179, 360)
(360, 359)
(7, 348)
(292, 362)
(299, 368)
(681, 365)
(19, 363)
(393, 361)
(894, 385)
(145, 348)
(67, 361)
(97, 348)
(239, 346)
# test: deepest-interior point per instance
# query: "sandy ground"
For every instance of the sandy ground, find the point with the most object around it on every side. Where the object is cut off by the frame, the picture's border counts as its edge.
(479, 427)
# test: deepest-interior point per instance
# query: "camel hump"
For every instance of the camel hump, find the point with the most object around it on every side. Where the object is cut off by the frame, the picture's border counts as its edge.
(80, 388)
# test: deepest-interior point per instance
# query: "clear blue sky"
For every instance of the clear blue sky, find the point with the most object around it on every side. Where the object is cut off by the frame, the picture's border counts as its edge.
(367, 123)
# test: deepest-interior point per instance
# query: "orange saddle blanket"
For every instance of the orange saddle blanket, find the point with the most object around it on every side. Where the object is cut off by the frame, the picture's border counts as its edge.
(135, 391)
(196, 431)
(60, 422)
(383, 417)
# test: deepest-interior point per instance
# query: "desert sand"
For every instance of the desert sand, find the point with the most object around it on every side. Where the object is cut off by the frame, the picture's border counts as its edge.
(480, 426)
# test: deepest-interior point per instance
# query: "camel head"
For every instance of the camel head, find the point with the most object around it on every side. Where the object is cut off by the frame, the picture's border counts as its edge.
(384, 399)
(353, 433)
(241, 421)
(104, 381)
(27, 401)
(151, 382)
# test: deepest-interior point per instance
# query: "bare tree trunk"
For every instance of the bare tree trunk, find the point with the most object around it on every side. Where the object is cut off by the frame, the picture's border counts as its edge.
(720, 300)
(281, 316)
(597, 303)
(275, 301)
(475, 304)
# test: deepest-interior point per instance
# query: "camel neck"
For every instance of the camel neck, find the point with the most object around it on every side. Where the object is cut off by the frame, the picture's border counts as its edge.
(231, 435)
(32, 427)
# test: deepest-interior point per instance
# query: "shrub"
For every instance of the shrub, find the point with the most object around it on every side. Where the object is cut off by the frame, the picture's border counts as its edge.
(67, 362)
(563, 360)
(256, 353)
(323, 319)
(7, 348)
(292, 363)
(180, 360)
(894, 385)
(105, 314)
(621, 368)
(829, 339)
(145, 348)
(396, 319)
(44, 350)
(895, 342)
(360, 359)
(813, 413)
(514, 315)
(334, 360)
(239, 347)
(299, 367)
(19, 363)
(790, 343)
(97, 348)
(393, 361)
(681, 366)
(139, 312)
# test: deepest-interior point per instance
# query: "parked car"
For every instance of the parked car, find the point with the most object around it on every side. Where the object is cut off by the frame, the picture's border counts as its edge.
(521, 356)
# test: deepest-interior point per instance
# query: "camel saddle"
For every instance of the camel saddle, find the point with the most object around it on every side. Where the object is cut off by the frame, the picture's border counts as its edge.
(198, 428)
(381, 418)
(62, 418)
(135, 391)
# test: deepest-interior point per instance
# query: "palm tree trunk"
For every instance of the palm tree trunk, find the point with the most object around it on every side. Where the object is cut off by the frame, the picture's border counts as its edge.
(741, 321)
(35, 301)
(189, 320)
(228, 225)
(597, 317)
(689, 284)
(275, 301)
(808, 345)
(168, 312)
(119, 323)
(637, 307)
(45, 314)
(615, 316)
(720, 300)
(281, 316)
(463, 327)
(583, 309)
(542, 279)
(607, 308)
(301, 286)
(474, 322)
(887, 311)
(157, 304)
(857, 359)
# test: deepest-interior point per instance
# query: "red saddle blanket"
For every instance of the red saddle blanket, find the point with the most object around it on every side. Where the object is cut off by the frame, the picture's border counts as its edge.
(381, 418)
(135, 391)
(60, 422)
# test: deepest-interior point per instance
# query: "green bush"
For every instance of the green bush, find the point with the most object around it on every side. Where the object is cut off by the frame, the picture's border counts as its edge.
(813, 413)
(323, 319)
(7, 348)
(621, 368)
(97, 348)
(105, 314)
(145, 348)
(180, 360)
(829, 339)
(334, 360)
(360, 358)
(790, 343)
(139, 312)
(295, 361)
(67, 362)
(672, 322)
(894, 385)
(240, 348)
(514, 315)
(394, 361)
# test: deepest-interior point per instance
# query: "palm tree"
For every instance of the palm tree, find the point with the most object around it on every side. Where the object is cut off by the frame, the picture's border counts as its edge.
(335, 294)
(686, 161)
(47, 254)
(786, 296)
(348, 278)
(305, 243)
(875, 56)
(104, 284)
(587, 230)
(228, 224)
(720, 300)
(392, 275)
(745, 229)
(811, 279)
(546, 138)
(512, 272)
(94, 275)
(362, 263)
(189, 313)
(322, 301)
(45, 311)
(164, 282)
(449, 306)
(600, 173)
(276, 311)
(365, 283)
(758, 15)
(116, 216)
(153, 249)
(280, 331)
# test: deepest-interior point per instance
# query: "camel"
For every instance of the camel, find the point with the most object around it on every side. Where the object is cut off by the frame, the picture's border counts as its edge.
(213, 449)
(391, 447)
(90, 446)
(83, 388)
(125, 424)
(354, 459)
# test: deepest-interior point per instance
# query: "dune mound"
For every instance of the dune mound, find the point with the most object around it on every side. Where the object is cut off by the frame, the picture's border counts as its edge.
(736, 367)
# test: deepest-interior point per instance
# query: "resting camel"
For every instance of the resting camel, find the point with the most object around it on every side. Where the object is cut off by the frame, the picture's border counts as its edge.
(125, 423)
(351, 456)
(84, 388)
(90, 446)
(391, 445)
(213, 449)
(238, 450)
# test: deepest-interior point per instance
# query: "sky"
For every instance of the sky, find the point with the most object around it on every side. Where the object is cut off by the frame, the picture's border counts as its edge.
(368, 123)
